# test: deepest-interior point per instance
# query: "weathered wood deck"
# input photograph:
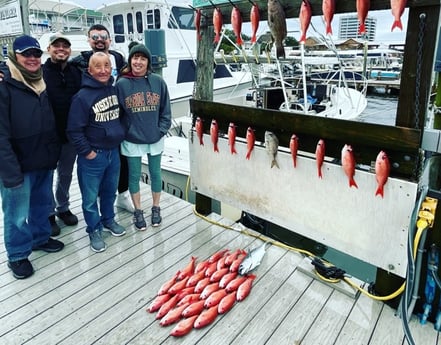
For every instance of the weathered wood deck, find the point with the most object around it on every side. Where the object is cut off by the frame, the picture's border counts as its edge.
(79, 297)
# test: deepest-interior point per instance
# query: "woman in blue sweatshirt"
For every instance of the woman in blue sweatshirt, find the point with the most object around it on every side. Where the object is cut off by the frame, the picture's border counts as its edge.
(146, 102)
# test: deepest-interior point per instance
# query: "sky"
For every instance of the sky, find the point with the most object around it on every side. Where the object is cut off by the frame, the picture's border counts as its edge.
(383, 35)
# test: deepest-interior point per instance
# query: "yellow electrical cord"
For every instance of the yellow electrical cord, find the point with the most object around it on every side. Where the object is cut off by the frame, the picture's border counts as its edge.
(422, 225)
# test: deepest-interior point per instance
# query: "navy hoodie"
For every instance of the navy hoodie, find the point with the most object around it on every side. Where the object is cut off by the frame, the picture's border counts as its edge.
(94, 117)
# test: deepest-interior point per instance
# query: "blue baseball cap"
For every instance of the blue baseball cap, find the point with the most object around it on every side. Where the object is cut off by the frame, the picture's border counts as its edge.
(24, 43)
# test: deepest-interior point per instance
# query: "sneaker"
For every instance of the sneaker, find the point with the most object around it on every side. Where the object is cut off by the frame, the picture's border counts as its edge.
(97, 243)
(115, 229)
(124, 200)
(51, 246)
(68, 217)
(138, 220)
(21, 269)
(55, 229)
(156, 216)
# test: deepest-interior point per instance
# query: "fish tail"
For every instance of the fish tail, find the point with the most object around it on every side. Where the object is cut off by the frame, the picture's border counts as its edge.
(280, 51)
(328, 29)
(275, 164)
(216, 149)
(248, 155)
(303, 38)
(216, 38)
(201, 141)
(239, 41)
(362, 29)
(380, 191)
(352, 183)
(295, 163)
(253, 38)
(233, 150)
(320, 173)
(397, 24)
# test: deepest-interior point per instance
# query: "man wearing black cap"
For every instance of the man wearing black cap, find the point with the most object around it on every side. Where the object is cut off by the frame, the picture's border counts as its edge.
(62, 81)
(29, 147)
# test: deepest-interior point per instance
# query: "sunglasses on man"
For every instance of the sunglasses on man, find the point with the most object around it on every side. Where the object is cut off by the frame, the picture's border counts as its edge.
(32, 52)
(96, 37)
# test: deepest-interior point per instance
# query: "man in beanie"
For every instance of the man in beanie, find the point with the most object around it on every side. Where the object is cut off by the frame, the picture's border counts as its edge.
(63, 80)
(99, 41)
(146, 102)
(29, 147)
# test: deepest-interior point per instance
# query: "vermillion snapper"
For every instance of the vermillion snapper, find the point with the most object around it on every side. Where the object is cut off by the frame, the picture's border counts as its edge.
(217, 23)
(277, 25)
(305, 19)
(199, 130)
(348, 164)
(236, 23)
(197, 23)
(232, 137)
(293, 147)
(328, 8)
(362, 11)
(382, 170)
(251, 138)
(214, 133)
(320, 156)
(255, 19)
(397, 8)
(272, 145)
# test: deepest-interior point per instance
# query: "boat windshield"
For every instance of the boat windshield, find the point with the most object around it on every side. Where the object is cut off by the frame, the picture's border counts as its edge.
(181, 18)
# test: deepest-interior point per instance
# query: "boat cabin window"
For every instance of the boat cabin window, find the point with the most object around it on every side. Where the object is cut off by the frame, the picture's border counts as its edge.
(187, 71)
(182, 18)
(130, 22)
(153, 19)
(118, 28)
(139, 27)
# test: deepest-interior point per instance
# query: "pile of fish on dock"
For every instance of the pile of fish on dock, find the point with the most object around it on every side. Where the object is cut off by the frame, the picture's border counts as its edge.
(198, 293)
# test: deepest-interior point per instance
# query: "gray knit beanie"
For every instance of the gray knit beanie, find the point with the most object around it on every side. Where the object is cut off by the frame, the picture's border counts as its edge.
(141, 49)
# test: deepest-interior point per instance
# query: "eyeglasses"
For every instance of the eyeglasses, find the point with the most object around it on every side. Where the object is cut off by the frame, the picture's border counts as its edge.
(96, 37)
(32, 52)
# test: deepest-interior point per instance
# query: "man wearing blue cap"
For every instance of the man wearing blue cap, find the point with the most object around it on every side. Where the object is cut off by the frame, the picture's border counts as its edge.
(30, 148)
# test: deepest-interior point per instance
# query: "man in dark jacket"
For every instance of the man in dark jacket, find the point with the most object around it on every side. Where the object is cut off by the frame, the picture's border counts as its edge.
(62, 81)
(99, 41)
(29, 147)
(96, 131)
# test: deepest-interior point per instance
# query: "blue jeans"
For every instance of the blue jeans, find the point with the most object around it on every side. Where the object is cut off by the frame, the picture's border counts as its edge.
(64, 177)
(98, 177)
(25, 213)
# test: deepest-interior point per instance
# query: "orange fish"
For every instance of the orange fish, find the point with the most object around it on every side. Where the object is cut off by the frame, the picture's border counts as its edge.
(234, 267)
(167, 285)
(382, 170)
(294, 146)
(235, 283)
(217, 23)
(397, 8)
(188, 270)
(232, 137)
(199, 130)
(305, 19)
(214, 133)
(197, 23)
(362, 11)
(206, 317)
(194, 308)
(208, 290)
(215, 298)
(221, 263)
(195, 278)
(226, 279)
(216, 256)
(255, 19)
(201, 266)
(173, 315)
(231, 257)
(158, 302)
(167, 306)
(201, 285)
(217, 275)
(244, 289)
(236, 23)
(178, 286)
(226, 303)
(184, 326)
(320, 156)
(328, 8)
(348, 164)
(211, 269)
(188, 299)
(251, 139)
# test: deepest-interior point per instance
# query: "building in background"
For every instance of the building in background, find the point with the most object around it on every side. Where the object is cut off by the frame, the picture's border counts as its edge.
(348, 27)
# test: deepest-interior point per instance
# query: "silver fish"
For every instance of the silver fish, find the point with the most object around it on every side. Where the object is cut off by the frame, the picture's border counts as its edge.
(253, 259)
(272, 145)
(277, 25)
